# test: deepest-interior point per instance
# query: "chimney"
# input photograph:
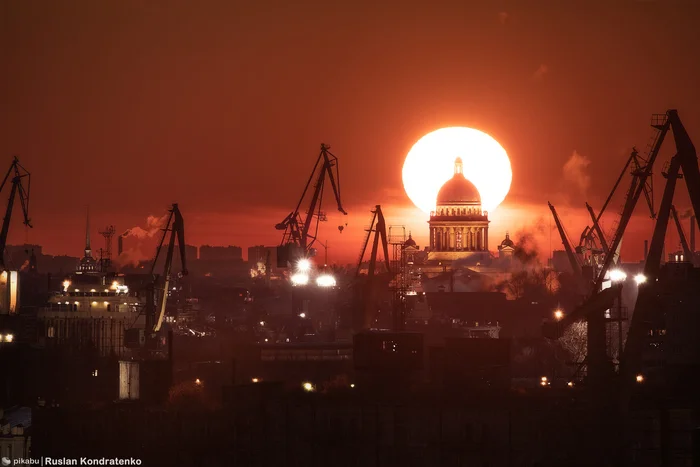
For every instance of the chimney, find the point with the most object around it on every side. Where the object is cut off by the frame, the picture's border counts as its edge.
(646, 248)
(692, 234)
(120, 246)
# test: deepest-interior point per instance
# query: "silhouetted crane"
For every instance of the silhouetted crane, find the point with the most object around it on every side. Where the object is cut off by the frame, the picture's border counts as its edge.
(298, 236)
(18, 173)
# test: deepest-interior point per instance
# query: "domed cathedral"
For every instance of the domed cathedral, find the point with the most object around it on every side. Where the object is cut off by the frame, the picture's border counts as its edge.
(459, 229)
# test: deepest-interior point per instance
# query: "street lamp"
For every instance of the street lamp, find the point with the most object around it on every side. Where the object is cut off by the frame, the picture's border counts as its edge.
(558, 315)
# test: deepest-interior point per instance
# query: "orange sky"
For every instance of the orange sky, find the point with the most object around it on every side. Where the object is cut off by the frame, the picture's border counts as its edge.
(221, 106)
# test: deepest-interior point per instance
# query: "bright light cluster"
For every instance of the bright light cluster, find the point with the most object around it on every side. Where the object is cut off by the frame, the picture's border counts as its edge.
(7, 338)
(304, 265)
(325, 280)
(640, 279)
(618, 275)
(300, 279)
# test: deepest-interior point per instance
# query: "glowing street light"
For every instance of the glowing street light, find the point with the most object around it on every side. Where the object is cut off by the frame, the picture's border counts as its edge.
(640, 378)
(302, 315)
(300, 279)
(304, 265)
(640, 279)
(558, 315)
(255, 380)
(325, 280)
(308, 387)
(618, 275)
(198, 382)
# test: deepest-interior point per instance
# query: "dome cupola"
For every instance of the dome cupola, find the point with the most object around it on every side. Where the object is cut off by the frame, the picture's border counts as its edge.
(458, 190)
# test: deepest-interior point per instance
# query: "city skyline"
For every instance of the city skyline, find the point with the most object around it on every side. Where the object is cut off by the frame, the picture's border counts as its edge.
(139, 115)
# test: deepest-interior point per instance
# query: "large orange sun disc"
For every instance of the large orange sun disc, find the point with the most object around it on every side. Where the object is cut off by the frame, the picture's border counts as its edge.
(430, 163)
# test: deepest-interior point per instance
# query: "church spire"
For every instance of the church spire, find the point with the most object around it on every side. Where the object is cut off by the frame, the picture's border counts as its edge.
(88, 249)
(459, 167)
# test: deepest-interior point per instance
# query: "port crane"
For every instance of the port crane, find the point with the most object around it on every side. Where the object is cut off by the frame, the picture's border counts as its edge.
(597, 300)
(159, 285)
(299, 236)
(366, 307)
(684, 164)
(17, 174)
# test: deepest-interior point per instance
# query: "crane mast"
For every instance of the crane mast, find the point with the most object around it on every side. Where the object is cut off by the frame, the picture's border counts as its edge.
(687, 161)
(158, 293)
(573, 260)
(681, 235)
(17, 174)
(297, 228)
(368, 307)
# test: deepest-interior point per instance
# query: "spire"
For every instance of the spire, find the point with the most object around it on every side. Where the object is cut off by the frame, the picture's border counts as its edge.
(459, 167)
(87, 234)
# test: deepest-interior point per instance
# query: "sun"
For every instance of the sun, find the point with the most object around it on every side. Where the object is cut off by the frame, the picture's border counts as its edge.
(430, 163)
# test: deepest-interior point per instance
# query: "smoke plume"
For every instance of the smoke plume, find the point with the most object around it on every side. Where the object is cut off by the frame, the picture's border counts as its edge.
(575, 172)
(526, 249)
(130, 257)
(153, 226)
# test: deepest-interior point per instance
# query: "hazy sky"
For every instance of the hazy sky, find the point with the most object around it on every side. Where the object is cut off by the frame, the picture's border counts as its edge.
(221, 105)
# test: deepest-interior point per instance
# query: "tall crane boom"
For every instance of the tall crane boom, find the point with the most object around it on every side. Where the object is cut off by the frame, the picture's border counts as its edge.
(297, 229)
(640, 183)
(573, 260)
(365, 312)
(681, 235)
(18, 173)
(158, 293)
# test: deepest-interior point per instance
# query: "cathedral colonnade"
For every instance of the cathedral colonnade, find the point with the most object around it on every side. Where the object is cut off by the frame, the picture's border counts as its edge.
(461, 238)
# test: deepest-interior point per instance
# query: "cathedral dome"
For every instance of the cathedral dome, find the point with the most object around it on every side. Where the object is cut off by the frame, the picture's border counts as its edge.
(410, 241)
(458, 190)
(507, 242)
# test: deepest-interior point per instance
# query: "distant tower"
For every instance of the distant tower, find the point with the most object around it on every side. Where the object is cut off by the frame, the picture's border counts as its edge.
(88, 250)
(107, 233)
(87, 263)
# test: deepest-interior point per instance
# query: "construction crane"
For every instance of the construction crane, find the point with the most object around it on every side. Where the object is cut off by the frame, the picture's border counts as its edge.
(18, 173)
(299, 236)
(365, 310)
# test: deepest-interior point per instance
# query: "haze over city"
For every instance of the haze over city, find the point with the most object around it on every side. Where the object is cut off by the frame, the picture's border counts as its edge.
(128, 107)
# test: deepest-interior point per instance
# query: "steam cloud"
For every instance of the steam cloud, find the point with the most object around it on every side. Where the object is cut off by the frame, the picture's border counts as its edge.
(153, 226)
(133, 256)
(575, 172)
